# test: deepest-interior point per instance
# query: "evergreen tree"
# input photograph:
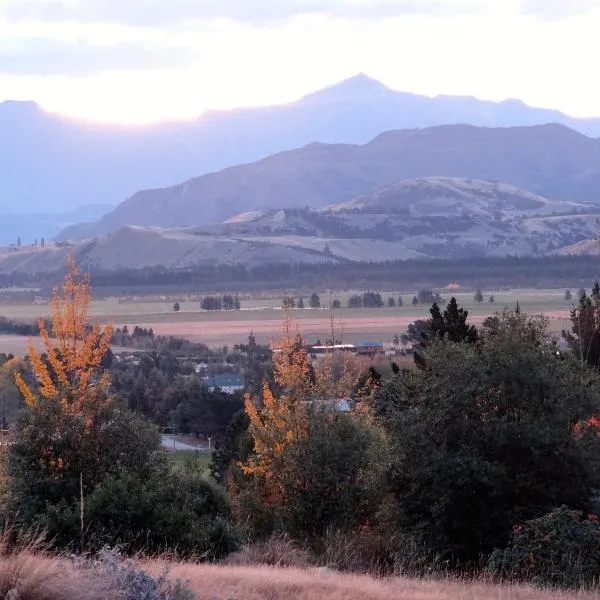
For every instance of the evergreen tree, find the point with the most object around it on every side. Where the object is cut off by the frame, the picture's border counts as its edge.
(228, 302)
(400, 301)
(289, 302)
(568, 295)
(478, 297)
(452, 323)
(584, 337)
(391, 301)
(176, 307)
(315, 301)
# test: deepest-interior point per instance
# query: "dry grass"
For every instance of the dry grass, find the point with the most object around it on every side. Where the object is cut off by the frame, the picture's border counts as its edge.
(277, 551)
(267, 583)
(31, 576)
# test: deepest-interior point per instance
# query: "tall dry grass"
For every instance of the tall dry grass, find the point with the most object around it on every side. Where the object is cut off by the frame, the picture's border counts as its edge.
(212, 582)
(27, 575)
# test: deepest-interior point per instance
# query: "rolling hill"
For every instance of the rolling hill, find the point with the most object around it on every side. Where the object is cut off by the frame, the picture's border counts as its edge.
(550, 160)
(435, 217)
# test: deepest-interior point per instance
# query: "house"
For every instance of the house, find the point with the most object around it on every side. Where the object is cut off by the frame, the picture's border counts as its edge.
(230, 384)
(369, 348)
(200, 368)
(337, 404)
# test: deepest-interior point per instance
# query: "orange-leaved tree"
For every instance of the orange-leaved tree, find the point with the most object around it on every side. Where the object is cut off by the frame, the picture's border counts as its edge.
(282, 419)
(306, 468)
(60, 449)
(70, 371)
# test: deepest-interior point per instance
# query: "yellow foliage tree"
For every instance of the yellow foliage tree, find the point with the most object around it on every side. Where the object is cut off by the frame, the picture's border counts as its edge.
(281, 420)
(71, 372)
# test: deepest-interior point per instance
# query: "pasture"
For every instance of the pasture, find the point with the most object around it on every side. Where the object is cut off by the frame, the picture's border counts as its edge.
(262, 314)
(199, 460)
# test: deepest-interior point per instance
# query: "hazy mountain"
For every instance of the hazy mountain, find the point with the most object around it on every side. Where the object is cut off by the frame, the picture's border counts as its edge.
(30, 227)
(53, 164)
(550, 160)
(429, 217)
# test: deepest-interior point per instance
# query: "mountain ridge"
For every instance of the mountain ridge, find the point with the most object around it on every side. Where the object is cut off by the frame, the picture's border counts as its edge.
(51, 163)
(551, 160)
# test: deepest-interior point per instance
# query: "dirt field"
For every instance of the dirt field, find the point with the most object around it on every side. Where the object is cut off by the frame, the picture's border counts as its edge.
(262, 314)
(350, 328)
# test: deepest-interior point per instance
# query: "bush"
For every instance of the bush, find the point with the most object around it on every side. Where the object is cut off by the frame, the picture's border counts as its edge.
(331, 478)
(562, 548)
(180, 512)
(44, 490)
(278, 550)
(133, 583)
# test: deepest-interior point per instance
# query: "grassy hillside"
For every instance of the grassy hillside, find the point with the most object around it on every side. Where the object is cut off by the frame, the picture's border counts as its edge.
(33, 576)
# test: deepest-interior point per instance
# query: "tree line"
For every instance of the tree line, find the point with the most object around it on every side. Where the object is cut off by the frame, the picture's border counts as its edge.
(482, 272)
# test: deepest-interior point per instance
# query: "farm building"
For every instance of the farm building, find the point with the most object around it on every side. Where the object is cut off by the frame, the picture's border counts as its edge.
(369, 348)
(230, 384)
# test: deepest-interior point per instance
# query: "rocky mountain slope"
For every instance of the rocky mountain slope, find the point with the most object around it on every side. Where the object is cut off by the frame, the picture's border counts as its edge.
(53, 164)
(550, 160)
(428, 217)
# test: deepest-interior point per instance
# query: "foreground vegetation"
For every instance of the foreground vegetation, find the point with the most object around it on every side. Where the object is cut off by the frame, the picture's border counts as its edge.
(481, 460)
(35, 576)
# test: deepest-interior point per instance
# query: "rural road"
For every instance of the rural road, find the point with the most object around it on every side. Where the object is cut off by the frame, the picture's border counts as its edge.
(167, 441)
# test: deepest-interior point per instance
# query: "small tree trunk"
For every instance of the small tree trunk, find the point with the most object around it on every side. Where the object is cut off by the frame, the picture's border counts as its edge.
(81, 505)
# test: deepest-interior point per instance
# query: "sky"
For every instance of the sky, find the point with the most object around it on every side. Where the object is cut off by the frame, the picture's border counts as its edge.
(136, 61)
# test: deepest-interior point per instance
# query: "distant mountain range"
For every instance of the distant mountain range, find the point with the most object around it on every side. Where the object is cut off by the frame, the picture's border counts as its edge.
(29, 227)
(420, 218)
(51, 164)
(551, 160)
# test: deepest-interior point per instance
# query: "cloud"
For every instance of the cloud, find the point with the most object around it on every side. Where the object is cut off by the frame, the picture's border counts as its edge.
(557, 9)
(43, 57)
(173, 12)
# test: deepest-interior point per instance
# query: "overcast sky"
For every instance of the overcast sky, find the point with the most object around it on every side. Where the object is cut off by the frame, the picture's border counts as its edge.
(141, 60)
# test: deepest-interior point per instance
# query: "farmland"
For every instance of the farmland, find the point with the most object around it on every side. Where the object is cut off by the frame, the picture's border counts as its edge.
(262, 314)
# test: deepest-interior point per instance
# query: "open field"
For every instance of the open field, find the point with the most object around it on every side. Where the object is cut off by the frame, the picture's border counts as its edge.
(262, 314)
(258, 583)
(202, 459)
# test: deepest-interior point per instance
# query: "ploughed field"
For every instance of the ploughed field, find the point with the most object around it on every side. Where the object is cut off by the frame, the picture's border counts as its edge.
(263, 315)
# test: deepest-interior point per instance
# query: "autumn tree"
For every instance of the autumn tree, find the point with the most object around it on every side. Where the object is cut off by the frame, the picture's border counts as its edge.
(282, 419)
(297, 465)
(80, 456)
(70, 374)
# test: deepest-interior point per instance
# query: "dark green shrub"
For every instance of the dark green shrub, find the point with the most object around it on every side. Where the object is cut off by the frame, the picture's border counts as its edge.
(179, 511)
(562, 548)
(330, 479)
